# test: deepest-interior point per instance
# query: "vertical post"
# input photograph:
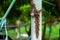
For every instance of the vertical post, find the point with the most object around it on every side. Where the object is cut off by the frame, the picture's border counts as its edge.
(18, 22)
(36, 20)
(8, 10)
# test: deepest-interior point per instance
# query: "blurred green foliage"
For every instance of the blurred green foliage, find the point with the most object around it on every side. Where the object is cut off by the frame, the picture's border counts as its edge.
(20, 11)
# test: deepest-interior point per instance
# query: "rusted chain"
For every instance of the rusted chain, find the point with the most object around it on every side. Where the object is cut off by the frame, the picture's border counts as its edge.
(37, 19)
(35, 13)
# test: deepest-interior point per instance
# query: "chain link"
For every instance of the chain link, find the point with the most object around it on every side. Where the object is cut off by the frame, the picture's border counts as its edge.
(37, 19)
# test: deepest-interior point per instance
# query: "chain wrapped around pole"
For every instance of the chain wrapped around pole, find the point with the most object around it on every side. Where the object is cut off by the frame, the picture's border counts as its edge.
(36, 14)
(37, 19)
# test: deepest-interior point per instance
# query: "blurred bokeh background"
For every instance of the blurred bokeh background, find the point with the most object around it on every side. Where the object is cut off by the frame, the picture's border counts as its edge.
(18, 18)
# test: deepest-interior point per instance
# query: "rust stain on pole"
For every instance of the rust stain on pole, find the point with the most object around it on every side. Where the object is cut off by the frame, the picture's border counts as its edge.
(37, 17)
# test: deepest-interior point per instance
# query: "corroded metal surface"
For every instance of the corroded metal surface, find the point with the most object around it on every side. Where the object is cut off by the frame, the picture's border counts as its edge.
(36, 14)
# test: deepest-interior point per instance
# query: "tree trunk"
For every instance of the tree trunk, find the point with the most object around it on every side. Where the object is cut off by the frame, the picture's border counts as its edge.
(43, 35)
(58, 5)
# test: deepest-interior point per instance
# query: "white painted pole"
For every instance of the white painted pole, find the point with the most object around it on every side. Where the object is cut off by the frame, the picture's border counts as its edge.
(33, 34)
(38, 5)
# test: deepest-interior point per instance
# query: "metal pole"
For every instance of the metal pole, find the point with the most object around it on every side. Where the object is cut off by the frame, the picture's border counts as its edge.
(8, 10)
(36, 20)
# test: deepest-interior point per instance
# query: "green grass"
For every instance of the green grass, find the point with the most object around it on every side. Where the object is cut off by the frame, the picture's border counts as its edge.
(55, 31)
(13, 33)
